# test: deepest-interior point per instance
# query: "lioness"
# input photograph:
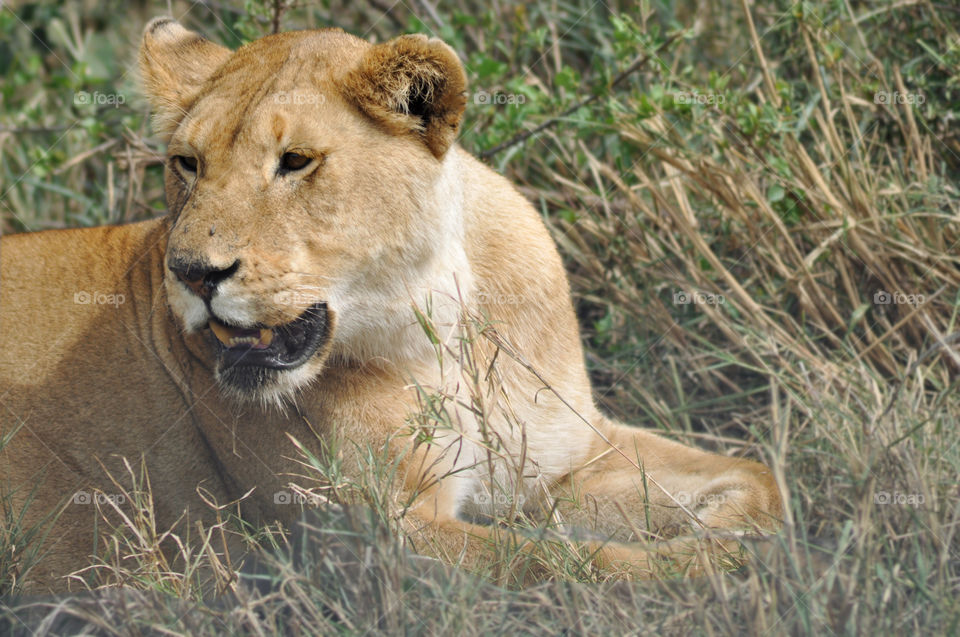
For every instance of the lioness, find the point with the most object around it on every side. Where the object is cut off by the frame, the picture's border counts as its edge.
(326, 246)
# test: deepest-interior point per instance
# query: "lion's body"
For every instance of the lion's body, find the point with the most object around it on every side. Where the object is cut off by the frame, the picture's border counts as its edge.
(386, 214)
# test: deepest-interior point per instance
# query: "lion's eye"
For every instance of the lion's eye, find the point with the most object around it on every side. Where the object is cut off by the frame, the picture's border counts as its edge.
(293, 161)
(187, 163)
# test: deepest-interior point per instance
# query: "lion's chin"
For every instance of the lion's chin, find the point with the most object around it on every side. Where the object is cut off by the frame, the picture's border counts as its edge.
(266, 387)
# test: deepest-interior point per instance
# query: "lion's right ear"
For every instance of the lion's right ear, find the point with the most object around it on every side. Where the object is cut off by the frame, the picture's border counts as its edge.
(174, 65)
(412, 85)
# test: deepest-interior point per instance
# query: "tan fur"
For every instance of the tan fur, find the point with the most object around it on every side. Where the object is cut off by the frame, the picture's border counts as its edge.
(389, 214)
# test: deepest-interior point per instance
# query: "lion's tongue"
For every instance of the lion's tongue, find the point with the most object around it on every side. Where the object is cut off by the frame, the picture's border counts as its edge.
(237, 337)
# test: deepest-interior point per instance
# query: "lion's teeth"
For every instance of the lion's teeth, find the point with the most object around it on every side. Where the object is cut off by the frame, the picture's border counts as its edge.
(222, 332)
(229, 336)
(266, 337)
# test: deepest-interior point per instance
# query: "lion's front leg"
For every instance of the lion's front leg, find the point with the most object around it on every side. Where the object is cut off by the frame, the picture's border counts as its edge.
(531, 554)
(659, 502)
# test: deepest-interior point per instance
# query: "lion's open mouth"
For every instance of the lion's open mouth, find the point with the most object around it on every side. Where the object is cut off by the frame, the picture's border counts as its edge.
(282, 347)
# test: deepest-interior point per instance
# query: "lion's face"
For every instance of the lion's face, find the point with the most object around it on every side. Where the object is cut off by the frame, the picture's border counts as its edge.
(311, 192)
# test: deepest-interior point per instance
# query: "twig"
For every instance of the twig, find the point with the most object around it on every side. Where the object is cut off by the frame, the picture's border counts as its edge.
(430, 9)
(85, 155)
(33, 129)
(525, 135)
(755, 45)
(277, 11)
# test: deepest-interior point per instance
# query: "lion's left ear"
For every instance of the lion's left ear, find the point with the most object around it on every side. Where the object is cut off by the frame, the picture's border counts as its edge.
(174, 65)
(412, 84)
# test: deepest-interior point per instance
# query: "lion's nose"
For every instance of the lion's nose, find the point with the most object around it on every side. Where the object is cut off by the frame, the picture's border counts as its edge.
(201, 277)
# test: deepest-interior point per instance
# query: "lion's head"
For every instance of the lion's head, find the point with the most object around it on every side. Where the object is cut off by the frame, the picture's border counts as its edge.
(313, 194)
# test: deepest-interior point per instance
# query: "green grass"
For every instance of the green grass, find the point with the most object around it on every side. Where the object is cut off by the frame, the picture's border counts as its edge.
(782, 174)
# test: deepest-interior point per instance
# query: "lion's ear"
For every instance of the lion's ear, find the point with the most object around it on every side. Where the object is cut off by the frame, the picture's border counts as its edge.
(412, 84)
(174, 65)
